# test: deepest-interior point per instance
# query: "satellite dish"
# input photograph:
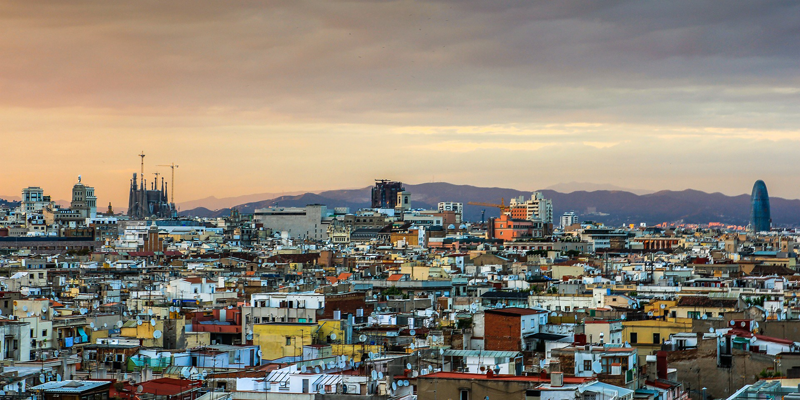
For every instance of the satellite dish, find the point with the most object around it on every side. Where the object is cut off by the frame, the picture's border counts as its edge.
(44, 307)
(542, 363)
(119, 324)
(649, 313)
(105, 325)
(24, 308)
(733, 322)
(138, 322)
(371, 355)
(317, 370)
(663, 306)
(408, 366)
(362, 338)
(157, 334)
(441, 352)
(704, 316)
(380, 375)
(153, 321)
(711, 330)
(56, 353)
(394, 386)
(333, 336)
(413, 346)
(58, 377)
(303, 369)
(624, 316)
(413, 332)
(41, 378)
(374, 374)
(249, 337)
(259, 353)
(597, 367)
(91, 324)
(172, 309)
(139, 389)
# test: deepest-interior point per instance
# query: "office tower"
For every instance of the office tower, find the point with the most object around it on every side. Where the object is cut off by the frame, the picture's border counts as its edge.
(760, 220)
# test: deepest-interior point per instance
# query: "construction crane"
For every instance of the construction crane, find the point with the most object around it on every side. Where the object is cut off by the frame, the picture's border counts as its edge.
(171, 182)
(502, 206)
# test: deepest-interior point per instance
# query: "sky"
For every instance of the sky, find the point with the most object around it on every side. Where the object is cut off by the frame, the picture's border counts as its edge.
(275, 96)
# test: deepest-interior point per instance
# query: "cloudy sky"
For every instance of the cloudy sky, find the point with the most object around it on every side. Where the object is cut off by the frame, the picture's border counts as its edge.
(252, 97)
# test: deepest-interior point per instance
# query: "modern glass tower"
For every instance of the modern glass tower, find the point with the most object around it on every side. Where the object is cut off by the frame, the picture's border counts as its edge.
(760, 220)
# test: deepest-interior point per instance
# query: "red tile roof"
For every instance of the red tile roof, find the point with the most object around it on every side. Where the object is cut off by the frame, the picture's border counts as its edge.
(395, 277)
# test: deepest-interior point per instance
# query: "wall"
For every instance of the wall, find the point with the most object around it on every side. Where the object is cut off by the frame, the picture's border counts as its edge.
(502, 332)
(698, 368)
(272, 339)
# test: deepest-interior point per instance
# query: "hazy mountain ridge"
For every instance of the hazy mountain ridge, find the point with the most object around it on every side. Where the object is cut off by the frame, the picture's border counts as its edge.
(611, 207)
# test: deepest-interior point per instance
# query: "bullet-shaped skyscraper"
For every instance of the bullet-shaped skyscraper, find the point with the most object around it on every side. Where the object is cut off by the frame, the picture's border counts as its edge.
(760, 220)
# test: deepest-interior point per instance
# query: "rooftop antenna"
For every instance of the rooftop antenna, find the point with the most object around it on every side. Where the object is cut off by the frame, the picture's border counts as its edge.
(171, 182)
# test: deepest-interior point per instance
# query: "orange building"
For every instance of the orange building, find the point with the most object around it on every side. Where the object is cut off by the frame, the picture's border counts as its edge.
(508, 228)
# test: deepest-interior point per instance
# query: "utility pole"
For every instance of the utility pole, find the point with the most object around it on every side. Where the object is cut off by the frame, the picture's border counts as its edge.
(171, 182)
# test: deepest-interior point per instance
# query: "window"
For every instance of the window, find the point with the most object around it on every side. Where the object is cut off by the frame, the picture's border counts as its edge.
(587, 365)
(656, 338)
(463, 394)
(634, 338)
(44, 332)
(288, 340)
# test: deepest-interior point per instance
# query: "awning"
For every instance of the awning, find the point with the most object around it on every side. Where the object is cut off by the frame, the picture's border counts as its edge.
(545, 336)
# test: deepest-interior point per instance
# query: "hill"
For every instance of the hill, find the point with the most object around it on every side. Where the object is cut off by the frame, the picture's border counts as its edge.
(608, 206)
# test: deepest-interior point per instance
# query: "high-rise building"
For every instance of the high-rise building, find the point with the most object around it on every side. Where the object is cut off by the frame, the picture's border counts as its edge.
(84, 202)
(457, 208)
(760, 220)
(384, 194)
(536, 209)
(569, 218)
(33, 199)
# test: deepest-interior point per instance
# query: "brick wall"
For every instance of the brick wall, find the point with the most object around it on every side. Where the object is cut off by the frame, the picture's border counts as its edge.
(502, 332)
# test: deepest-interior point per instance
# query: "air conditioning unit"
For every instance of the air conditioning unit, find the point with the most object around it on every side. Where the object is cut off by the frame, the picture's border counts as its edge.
(556, 379)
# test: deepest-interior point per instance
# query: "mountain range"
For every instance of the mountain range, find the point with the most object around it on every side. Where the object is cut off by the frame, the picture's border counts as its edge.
(613, 207)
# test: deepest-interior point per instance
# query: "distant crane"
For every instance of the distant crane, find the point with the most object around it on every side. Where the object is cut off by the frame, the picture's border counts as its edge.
(502, 206)
(171, 182)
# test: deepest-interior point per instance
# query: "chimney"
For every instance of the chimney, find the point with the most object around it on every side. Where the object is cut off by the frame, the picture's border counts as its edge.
(651, 367)
(661, 361)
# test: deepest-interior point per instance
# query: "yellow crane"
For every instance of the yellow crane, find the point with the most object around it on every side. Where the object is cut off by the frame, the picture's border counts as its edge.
(171, 182)
(502, 206)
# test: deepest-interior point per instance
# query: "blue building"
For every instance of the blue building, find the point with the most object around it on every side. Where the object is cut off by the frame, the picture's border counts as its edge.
(760, 220)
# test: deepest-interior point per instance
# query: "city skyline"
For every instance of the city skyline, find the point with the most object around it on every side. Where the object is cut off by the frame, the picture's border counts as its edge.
(252, 98)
